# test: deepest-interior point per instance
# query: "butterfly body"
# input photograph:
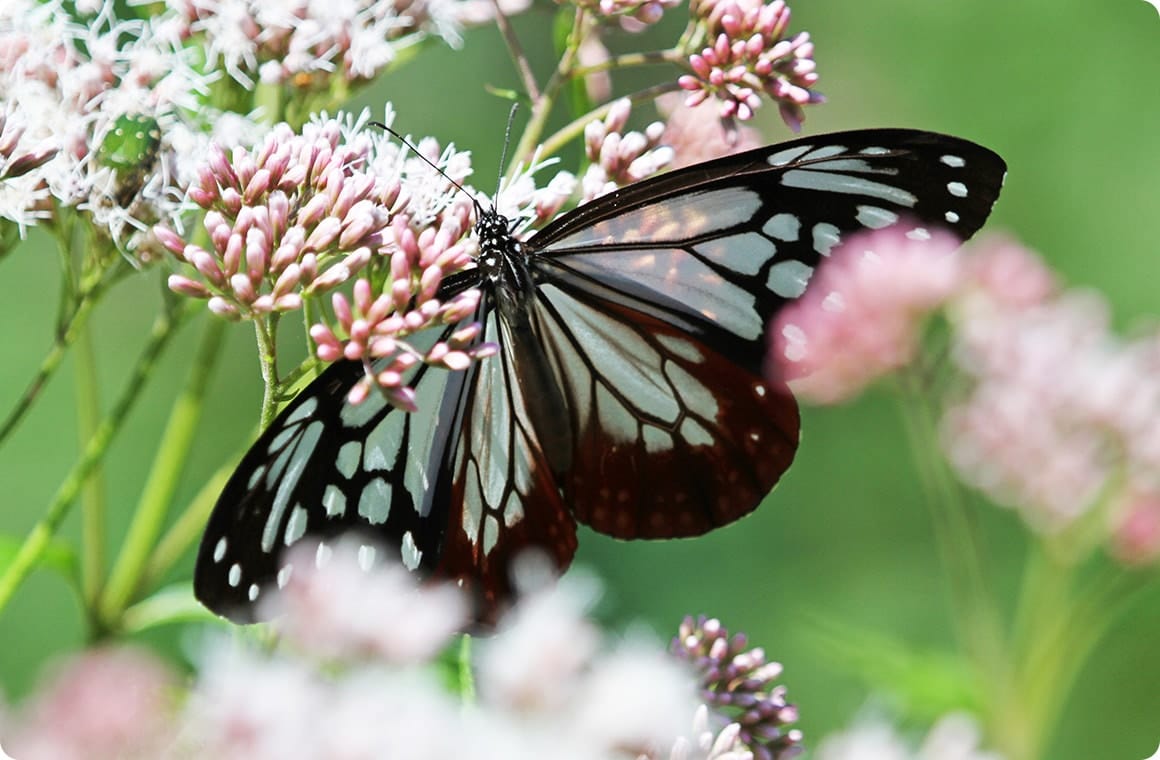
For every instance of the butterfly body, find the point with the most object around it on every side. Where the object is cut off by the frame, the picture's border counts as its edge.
(626, 394)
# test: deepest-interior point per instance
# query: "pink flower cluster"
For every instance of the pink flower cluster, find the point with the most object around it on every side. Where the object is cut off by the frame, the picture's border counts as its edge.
(1054, 415)
(297, 214)
(1062, 416)
(748, 55)
(860, 317)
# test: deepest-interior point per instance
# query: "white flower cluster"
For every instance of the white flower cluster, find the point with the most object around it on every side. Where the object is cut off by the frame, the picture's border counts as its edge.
(547, 685)
(111, 97)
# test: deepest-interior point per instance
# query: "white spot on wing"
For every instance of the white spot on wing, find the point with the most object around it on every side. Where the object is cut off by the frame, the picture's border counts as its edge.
(235, 575)
(788, 279)
(374, 504)
(357, 415)
(745, 253)
(825, 237)
(876, 218)
(957, 189)
(366, 557)
(953, 161)
(334, 501)
(255, 476)
(348, 458)
(219, 549)
(322, 556)
(304, 410)
(284, 575)
(513, 509)
(300, 452)
(695, 434)
(784, 227)
(681, 347)
(846, 184)
(824, 152)
(951, 217)
(296, 525)
(490, 534)
(410, 552)
(919, 233)
(656, 440)
(381, 446)
(253, 592)
(783, 157)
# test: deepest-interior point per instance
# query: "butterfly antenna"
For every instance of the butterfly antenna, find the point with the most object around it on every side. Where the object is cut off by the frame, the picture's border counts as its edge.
(507, 138)
(429, 162)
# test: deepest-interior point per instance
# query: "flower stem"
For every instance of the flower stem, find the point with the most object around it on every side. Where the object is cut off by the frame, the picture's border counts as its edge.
(70, 328)
(168, 465)
(960, 545)
(32, 550)
(93, 505)
(269, 365)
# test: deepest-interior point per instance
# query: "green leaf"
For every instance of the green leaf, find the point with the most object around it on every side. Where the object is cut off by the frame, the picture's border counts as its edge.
(172, 604)
(925, 683)
(58, 556)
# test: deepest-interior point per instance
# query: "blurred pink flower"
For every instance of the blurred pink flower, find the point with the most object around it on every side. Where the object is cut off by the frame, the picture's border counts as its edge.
(1059, 409)
(362, 603)
(1136, 528)
(861, 316)
(104, 704)
(697, 133)
(1009, 273)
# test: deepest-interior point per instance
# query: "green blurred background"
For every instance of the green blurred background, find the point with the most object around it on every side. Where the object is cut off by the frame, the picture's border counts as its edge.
(1066, 92)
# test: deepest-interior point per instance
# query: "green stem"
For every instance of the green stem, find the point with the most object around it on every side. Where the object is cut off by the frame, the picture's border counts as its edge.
(70, 328)
(268, 359)
(542, 105)
(164, 475)
(465, 677)
(628, 60)
(960, 546)
(37, 541)
(92, 497)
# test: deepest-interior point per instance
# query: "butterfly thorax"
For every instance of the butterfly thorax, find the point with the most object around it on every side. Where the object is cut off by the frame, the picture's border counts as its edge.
(502, 264)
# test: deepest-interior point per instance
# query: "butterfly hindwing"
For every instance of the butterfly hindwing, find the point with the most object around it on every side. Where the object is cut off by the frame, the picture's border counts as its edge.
(671, 438)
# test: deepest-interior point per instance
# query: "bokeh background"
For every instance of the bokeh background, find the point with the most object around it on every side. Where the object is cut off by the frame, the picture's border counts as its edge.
(1068, 93)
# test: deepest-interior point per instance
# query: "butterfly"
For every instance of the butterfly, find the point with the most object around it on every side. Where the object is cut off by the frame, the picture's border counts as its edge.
(627, 392)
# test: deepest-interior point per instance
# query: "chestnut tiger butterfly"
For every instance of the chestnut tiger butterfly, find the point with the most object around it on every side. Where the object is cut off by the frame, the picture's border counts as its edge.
(627, 392)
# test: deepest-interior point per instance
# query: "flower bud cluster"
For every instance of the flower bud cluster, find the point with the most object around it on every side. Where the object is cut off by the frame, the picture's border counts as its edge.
(740, 683)
(620, 158)
(296, 215)
(633, 15)
(748, 55)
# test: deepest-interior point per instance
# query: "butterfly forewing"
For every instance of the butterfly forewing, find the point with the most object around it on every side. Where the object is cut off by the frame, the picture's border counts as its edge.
(626, 394)
(717, 248)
